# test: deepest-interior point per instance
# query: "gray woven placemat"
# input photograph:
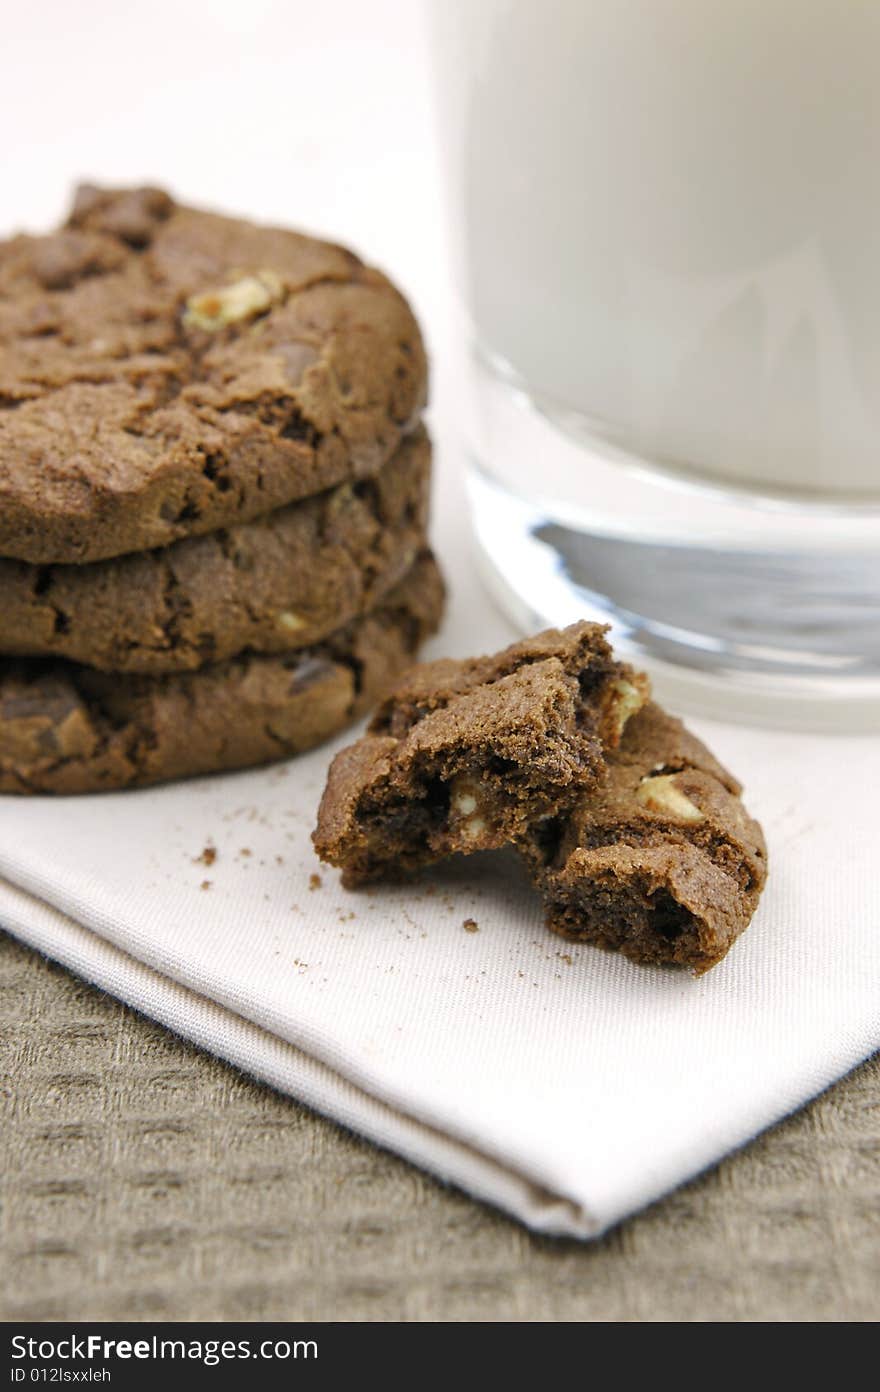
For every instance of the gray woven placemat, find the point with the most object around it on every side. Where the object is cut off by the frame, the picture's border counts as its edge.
(142, 1179)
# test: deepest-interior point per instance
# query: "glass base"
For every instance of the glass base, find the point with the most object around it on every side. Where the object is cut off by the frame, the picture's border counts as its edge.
(742, 607)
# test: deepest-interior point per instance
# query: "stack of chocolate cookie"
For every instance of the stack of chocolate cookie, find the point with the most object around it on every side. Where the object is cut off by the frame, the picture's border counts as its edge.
(213, 494)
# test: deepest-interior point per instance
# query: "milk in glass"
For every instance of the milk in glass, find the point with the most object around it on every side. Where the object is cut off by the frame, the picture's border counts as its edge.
(672, 226)
(668, 224)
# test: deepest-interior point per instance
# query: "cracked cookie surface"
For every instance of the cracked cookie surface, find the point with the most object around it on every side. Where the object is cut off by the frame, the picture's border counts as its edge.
(463, 756)
(282, 582)
(165, 372)
(70, 729)
(662, 863)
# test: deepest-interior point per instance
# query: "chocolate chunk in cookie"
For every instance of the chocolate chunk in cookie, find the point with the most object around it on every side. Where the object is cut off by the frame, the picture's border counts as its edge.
(663, 863)
(69, 729)
(282, 582)
(165, 372)
(464, 756)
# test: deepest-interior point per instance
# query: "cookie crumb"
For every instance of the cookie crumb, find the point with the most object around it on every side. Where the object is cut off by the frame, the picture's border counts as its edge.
(208, 856)
(206, 884)
(471, 925)
(245, 851)
(315, 881)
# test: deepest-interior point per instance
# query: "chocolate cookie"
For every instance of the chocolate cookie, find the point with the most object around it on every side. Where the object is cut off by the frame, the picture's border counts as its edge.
(166, 372)
(663, 864)
(69, 729)
(463, 756)
(282, 582)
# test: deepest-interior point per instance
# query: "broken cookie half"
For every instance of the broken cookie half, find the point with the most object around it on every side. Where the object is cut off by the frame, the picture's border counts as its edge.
(469, 755)
(632, 831)
(663, 864)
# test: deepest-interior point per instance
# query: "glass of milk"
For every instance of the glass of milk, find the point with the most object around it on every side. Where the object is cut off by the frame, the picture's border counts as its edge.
(668, 226)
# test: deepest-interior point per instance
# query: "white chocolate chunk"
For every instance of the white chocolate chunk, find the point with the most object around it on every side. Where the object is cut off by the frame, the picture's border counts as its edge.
(628, 700)
(291, 621)
(464, 804)
(214, 309)
(659, 794)
(465, 808)
(473, 827)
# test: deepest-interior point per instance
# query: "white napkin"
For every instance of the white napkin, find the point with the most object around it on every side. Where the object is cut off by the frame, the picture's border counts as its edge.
(565, 1085)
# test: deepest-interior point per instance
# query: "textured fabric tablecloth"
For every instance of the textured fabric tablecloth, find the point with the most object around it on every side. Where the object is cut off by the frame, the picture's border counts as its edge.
(143, 1179)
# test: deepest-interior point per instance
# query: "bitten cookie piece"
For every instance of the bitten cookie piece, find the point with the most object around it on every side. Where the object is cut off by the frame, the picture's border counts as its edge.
(165, 372)
(464, 756)
(69, 729)
(282, 582)
(663, 863)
